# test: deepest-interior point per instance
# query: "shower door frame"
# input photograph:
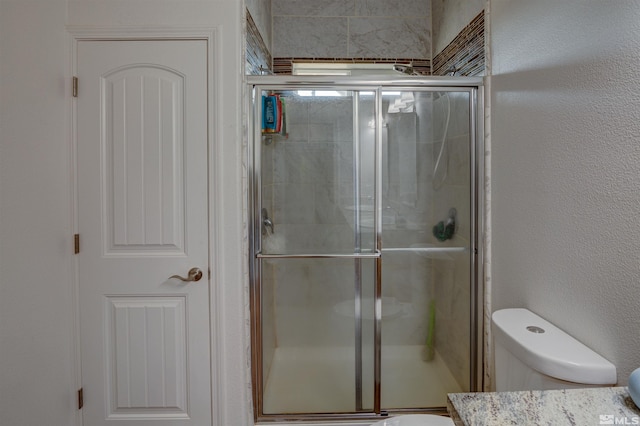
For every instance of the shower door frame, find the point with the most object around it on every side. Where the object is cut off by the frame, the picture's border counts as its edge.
(376, 84)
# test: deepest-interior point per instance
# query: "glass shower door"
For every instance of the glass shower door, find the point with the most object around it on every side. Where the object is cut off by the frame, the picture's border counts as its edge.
(364, 245)
(426, 233)
(316, 253)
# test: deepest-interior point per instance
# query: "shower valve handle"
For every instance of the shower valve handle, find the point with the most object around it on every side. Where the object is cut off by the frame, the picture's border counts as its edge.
(267, 223)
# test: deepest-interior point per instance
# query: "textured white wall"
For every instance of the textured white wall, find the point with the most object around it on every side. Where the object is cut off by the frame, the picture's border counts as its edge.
(36, 363)
(36, 267)
(566, 168)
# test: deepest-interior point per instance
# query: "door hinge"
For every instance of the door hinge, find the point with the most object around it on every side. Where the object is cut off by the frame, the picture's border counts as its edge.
(74, 90)
(80, 399)
(76, 243)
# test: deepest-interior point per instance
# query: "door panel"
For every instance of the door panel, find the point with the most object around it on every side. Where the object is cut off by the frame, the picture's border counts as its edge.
(143, 221)
(143, 161)
(148, 361)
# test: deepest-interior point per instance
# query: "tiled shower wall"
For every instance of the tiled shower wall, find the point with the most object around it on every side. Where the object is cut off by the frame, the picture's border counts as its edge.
(260, 11)
(258, 59)
(367, 31)
(258, 37)
(364, 29)
(449, 17)
(465, 55)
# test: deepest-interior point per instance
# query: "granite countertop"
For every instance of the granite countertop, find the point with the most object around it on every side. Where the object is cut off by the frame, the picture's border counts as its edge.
(580, 407)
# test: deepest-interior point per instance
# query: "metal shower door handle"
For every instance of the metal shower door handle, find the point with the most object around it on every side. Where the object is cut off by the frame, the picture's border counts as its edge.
(194, 274)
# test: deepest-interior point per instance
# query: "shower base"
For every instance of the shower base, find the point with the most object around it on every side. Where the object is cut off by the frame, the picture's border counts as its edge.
(322, 380)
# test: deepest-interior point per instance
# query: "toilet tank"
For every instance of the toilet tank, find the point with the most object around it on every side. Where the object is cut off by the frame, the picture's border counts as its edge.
(533, 354)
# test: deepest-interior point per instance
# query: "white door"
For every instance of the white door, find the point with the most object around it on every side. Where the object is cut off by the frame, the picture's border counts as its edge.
(143, 218)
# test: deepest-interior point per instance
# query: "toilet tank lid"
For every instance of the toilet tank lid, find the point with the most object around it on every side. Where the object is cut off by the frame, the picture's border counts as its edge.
(552, 352)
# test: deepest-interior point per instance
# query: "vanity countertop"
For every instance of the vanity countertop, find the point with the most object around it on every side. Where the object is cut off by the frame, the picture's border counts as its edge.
(592, 406)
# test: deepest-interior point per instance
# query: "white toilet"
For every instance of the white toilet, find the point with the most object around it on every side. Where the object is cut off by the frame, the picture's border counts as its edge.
(531, 354)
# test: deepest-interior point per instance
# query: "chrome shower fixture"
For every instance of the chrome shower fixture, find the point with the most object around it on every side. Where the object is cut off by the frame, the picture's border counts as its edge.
(444, 231)
(267, 223)
(405, 69)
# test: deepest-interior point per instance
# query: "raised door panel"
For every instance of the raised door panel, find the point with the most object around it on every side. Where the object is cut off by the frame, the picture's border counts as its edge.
(147, 364)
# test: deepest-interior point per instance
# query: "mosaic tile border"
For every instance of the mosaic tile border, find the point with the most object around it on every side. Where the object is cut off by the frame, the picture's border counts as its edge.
(466, 53)
(258, 56)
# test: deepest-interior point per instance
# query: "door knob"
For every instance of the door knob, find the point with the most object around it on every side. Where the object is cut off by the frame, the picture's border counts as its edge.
(194, 274)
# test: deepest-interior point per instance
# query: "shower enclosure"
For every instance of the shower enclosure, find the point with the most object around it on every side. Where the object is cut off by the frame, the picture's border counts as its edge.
(364, 244)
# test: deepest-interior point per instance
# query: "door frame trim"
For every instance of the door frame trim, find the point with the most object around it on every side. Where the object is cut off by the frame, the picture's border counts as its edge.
(210, 36)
